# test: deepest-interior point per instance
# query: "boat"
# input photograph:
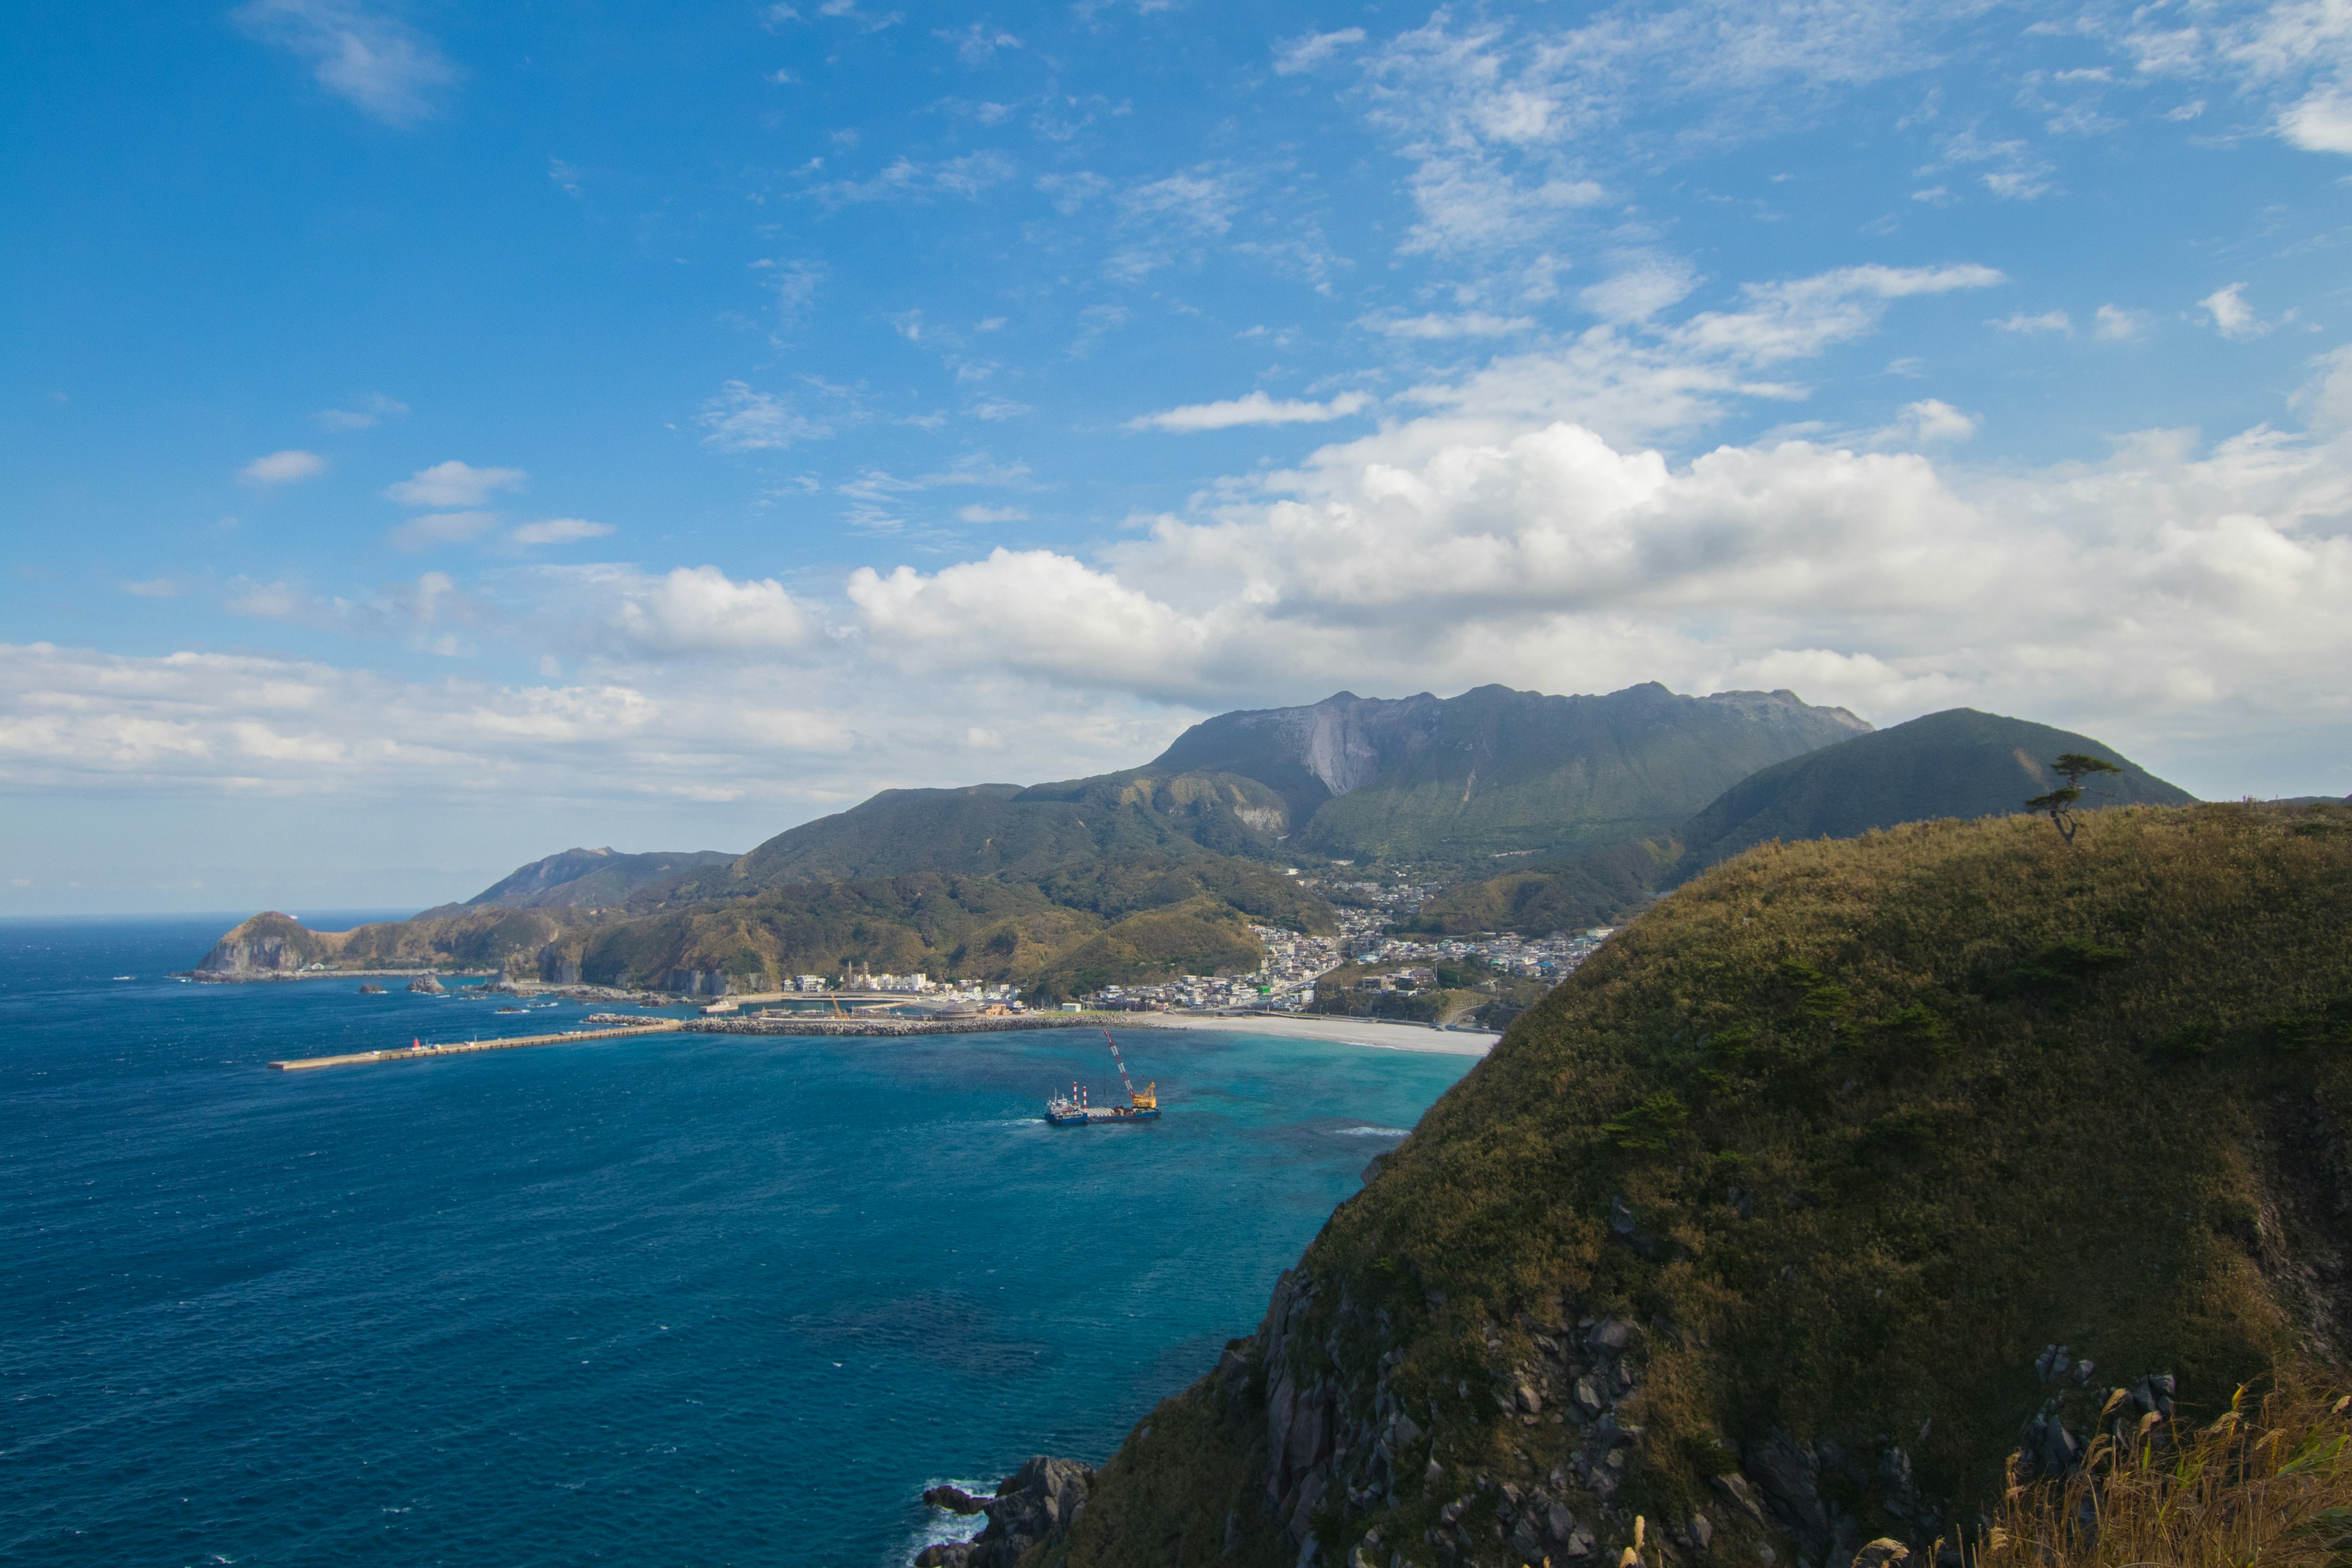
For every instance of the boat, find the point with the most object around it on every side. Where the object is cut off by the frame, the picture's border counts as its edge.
(1077, 1109)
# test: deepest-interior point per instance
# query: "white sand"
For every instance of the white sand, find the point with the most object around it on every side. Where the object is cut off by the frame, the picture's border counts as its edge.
(1346, 1031)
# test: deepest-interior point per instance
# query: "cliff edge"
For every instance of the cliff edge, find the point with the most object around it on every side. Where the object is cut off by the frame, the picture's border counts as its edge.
(1846, 1172)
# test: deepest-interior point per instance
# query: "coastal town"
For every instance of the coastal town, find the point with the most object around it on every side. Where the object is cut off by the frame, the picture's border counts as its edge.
(1285, 981)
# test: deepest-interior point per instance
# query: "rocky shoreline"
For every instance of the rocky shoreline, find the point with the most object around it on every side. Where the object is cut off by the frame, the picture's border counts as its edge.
(1034, 1505)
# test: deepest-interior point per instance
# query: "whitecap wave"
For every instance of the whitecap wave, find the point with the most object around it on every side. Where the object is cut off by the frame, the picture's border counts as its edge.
(1374, 1131)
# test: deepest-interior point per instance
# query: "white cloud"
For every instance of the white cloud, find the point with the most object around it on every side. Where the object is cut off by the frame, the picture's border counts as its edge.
(283, 467)
(2232, 316)
(2048, 322)
(442, 528)
(999, 408)
(374, 60)
(742, 420)
(454, 484)
(559, 530)
(261, 727)
(373, 410)
(1929, 421)
(905, 179)
(1802, 316)
(1641, 292)
(1443, 552)
(2116, 324)
(1304, 53)
(1440, 328)
(153, 588)
(976, 46)
(1200, 200)
(1256, 408)
(701, 610)
(993, 514)
(2320, 124)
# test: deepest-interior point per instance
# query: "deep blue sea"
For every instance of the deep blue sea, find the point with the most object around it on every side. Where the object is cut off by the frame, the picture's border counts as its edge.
(688, 1300)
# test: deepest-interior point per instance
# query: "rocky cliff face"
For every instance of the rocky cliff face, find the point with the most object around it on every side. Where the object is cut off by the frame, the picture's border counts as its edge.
(1034, 1507)
(270, 943)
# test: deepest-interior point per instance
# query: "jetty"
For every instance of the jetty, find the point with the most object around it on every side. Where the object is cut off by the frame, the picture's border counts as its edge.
(887, 1028)
(514, 1042)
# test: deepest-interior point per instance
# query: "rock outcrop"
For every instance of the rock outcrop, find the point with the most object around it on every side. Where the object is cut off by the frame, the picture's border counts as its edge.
(1035, 1505)
(268, 944)
(426, 985)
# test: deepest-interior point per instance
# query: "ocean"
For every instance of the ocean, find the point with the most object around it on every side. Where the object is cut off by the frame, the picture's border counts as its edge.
(680, 1300)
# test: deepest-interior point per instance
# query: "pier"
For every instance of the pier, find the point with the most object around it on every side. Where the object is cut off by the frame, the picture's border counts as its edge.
(887, 1028)
(412, 1054)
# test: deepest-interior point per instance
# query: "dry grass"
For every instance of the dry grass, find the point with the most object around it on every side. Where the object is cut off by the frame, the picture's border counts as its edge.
(2268, 1482)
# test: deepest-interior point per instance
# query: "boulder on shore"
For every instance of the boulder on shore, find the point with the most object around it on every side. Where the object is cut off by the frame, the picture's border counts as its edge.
(1036, 1504)
(426, 985)
(370, 989)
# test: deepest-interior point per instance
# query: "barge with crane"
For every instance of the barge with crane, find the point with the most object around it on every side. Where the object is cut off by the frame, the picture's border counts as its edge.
(1075, 1110)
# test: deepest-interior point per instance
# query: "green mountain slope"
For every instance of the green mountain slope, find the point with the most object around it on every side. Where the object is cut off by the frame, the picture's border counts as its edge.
(1004, 830)
(1960, 762)
(1495, 770)
(1842, 1172)
(583, 879)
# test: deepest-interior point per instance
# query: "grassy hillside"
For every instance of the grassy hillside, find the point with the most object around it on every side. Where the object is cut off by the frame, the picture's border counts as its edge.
(587, 879)
(1960, 762)
(1598, 887)
(1768, 1215)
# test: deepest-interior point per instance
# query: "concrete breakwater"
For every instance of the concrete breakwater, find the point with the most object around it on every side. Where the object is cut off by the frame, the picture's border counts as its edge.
(891, 1025)
(613, 1029)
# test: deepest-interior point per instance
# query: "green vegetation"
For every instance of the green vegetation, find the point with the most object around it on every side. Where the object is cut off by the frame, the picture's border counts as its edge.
(1074, 931)
(1839, 1137)
(2266, 1480)
(1467, 991)
(1501, 772)
(2074, 767)
(1961, 763)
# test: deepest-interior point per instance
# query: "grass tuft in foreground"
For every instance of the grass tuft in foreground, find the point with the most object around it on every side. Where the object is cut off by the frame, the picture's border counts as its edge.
(2269, 1481)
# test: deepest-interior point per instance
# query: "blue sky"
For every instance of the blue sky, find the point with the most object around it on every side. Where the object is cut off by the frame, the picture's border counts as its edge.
(438, 435)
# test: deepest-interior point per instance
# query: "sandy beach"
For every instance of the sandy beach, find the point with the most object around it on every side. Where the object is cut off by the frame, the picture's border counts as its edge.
(1347, 1031)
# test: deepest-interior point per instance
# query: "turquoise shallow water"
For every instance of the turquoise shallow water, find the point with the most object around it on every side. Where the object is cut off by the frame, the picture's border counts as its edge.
(693, 1299)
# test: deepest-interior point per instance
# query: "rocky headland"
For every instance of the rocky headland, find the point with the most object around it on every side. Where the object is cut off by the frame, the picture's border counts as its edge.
(1850, 1185)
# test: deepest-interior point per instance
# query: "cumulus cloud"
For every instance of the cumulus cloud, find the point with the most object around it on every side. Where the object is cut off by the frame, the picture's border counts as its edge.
(1926, 422)
(454, 484)
(1256, 408)
(2232, 316)
(701, 610)
(2117, 324)
(283, 467)
(362, 54)
(2320, 124)
(2164, 579)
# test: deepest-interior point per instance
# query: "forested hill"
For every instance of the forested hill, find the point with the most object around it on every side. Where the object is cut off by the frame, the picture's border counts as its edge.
(1958, 764)
(1495, 770)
